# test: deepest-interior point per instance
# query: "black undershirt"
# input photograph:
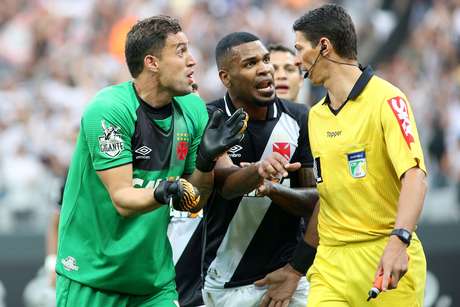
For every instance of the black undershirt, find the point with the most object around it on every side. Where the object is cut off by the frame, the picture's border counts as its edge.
(154, 113)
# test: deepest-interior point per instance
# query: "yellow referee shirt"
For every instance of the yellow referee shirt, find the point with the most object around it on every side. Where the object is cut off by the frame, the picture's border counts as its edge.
(361, 151)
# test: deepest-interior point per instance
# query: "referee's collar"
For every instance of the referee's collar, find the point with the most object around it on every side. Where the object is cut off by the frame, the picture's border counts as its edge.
(359, 86)
(272, 111)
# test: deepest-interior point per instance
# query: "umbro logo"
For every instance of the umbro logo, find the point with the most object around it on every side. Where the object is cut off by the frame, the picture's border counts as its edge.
(232, 152)
(235, 149)
(143, 151)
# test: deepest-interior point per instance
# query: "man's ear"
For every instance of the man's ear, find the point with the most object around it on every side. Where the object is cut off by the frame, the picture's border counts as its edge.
(325, 46)
(225, 78)
(152, 63)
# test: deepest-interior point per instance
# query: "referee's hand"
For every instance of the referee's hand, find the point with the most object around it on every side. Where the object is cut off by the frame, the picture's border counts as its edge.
(394, 263)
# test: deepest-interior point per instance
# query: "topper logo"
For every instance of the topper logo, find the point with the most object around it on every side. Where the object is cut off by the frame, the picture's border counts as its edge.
(401, 111)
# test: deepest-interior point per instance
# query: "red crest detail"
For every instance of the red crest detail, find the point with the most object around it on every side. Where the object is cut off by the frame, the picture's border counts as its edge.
(182, 150)
(401, 111)
(283, 149)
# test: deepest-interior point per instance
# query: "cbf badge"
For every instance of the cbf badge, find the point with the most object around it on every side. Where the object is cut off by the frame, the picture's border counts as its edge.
(111, 142)
(357, 164)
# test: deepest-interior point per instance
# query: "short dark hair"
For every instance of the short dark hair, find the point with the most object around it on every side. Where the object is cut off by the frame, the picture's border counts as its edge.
(333, 22)
(148, 36)
(225, 45)
(280, 48)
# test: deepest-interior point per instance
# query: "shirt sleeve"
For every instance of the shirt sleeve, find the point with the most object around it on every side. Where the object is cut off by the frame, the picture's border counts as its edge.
(106, 131)
(200, 122)
(401, 136)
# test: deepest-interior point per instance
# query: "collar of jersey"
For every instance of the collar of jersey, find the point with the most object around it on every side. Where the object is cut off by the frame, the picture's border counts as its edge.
(154, 113)
(357, 89)
(272, 107)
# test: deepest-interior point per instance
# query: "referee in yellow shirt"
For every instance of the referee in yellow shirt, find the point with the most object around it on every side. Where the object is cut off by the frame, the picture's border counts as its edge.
(370, 172)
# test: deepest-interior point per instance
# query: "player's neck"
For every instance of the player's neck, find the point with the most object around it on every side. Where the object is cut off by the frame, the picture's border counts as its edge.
(254, 112)
(151, 92)
(341, 80)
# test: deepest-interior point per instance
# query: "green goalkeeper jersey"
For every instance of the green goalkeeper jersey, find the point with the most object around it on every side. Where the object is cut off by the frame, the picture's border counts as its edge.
(97, 246)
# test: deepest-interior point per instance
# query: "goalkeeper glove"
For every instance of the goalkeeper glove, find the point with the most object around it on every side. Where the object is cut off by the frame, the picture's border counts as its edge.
(183, 195)
(219, 136)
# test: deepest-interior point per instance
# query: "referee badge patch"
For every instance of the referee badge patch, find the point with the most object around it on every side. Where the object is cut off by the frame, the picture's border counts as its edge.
(357, 164)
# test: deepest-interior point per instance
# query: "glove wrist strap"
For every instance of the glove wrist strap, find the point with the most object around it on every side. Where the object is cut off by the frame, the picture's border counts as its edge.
(204, 164)
(160, 194)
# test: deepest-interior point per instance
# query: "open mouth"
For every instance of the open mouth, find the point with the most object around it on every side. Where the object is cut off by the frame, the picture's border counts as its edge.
(282, 87)
(190, 78)
(265, 87)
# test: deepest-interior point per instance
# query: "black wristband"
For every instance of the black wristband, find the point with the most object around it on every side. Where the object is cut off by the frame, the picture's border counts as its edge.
(204, 164)
(303, 257)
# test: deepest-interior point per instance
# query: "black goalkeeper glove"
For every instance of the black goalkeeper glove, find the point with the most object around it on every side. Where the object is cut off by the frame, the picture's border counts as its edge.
(184, 196)
(219, 136)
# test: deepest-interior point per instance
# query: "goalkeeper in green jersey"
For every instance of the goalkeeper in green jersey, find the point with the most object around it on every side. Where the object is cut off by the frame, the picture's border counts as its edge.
(144, 146)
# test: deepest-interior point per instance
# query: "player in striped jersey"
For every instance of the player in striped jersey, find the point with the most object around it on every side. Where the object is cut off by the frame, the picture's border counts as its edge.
(185, 230)
(252, 225)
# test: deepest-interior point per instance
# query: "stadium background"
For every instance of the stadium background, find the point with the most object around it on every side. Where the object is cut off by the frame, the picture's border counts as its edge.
(55, 54)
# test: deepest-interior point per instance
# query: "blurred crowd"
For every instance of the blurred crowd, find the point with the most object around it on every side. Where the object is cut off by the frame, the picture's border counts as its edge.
(56, 54)
(427, 68)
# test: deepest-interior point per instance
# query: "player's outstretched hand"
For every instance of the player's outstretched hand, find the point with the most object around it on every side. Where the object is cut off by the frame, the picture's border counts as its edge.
(394, 263)
(281, 284)
(183, 195)
(219, 136)
(276, 166)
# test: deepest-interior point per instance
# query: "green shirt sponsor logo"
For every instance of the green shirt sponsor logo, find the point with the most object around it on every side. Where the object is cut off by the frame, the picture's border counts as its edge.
(111, 142)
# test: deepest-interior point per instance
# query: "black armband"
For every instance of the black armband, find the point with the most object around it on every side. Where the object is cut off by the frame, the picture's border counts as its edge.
(303, 257)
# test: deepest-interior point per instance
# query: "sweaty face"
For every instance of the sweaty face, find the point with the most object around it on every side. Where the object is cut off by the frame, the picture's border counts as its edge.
(251, 73)
(288, 79)
(176, 65)
(306, 55)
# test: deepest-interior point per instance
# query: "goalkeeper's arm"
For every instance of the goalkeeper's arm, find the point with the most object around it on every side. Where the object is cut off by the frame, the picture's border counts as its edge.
(130, 201)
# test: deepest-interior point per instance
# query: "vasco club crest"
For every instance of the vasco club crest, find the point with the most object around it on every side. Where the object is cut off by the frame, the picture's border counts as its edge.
(283, 148)
(182, 145)
(111, 142)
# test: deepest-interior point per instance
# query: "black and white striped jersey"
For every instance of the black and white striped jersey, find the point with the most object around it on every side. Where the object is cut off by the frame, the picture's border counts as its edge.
(249, 237)
(185, 235)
